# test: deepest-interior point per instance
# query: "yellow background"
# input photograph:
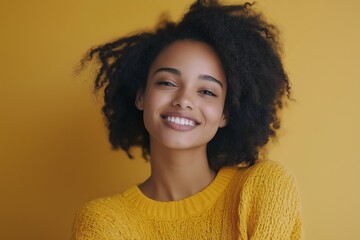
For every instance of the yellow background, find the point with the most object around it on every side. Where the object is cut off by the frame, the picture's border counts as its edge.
(54, 150)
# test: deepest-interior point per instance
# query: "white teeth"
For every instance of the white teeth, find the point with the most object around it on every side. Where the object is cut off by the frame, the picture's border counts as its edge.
(181, 121)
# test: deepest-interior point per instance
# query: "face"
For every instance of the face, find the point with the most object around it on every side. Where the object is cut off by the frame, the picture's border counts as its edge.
(184, 98)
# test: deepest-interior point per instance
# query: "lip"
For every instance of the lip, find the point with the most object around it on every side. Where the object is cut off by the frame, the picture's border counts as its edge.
(179, 127)
(181, 115)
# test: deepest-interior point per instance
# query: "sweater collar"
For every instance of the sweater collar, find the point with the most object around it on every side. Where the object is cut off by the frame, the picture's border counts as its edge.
(184, 207)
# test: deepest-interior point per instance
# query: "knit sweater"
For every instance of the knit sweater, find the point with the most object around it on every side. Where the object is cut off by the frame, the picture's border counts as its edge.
(257, 202)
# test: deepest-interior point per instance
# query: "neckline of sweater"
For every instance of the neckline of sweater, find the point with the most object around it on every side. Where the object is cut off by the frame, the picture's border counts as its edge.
(184, 207)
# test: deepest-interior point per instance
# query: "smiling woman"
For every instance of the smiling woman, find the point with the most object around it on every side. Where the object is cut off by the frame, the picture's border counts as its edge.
(181, 89)
(201, 97)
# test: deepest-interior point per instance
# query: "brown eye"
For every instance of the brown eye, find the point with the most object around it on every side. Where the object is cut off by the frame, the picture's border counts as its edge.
(208, 92)
(166, 83)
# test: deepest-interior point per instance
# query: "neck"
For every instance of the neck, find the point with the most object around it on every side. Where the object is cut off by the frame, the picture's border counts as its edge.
(177, 174)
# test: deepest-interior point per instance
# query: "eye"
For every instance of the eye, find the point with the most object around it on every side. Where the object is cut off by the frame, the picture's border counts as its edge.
(166, 84)
(208, 92)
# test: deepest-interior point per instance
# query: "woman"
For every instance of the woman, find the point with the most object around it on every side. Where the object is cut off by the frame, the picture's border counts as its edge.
(201, 97)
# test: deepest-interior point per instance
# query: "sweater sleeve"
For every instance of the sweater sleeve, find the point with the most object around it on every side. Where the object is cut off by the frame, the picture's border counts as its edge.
(93, 222)
(269, 204)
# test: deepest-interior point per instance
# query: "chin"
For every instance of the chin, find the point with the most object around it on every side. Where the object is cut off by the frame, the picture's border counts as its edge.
(182, 144)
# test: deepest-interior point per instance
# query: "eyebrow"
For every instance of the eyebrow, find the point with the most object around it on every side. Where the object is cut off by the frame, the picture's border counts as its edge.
(178, 73)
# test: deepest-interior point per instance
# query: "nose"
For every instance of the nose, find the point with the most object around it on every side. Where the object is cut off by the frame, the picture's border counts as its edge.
(183, 100)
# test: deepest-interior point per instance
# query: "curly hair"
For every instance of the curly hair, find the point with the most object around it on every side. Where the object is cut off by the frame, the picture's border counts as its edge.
(250, 52)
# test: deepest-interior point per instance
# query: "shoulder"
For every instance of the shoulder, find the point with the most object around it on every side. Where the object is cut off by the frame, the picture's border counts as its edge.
(267, 181)
(100, 218)
(264, 166)
(103, 206)
(266, 172)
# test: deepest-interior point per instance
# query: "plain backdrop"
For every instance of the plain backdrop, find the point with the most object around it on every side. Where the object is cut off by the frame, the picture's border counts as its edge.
(54, 152)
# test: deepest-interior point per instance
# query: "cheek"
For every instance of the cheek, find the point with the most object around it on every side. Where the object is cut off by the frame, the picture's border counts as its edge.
(213, 113)
(153, 100)
(154, 103)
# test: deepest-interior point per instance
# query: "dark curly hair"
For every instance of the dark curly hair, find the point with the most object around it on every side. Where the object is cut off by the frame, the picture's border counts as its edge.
(249, 50)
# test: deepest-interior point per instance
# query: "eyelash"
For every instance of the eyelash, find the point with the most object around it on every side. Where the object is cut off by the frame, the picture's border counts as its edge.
(165, 83)
(170, 84)
(209, 93)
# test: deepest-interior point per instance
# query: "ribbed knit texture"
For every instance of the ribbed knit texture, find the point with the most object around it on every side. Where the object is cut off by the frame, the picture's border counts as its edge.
(257, 202)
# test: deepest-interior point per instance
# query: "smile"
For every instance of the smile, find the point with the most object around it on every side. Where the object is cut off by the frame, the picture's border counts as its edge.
(180, 121)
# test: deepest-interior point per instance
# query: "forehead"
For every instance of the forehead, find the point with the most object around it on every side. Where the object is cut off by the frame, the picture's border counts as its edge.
(190, 57)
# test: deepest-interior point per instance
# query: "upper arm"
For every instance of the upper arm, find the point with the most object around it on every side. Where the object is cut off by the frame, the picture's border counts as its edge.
(269, 204)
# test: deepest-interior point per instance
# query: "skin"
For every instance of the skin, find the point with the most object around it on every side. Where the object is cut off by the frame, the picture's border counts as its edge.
(186, 81)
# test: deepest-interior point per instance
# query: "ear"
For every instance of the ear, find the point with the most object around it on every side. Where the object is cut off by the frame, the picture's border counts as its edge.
(139, 101)
(223, 121)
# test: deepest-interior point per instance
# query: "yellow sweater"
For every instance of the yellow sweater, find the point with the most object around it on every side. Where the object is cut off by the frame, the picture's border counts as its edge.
(257, 202)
